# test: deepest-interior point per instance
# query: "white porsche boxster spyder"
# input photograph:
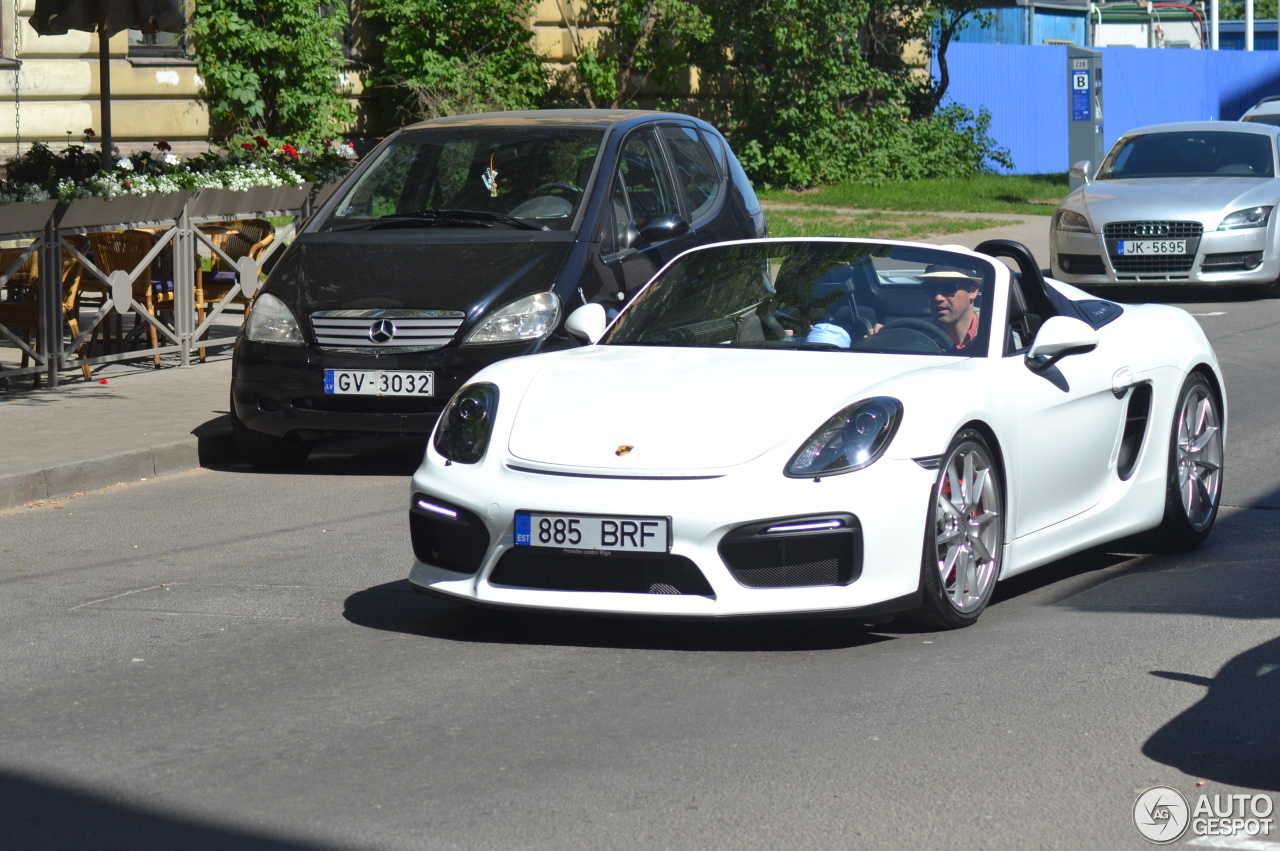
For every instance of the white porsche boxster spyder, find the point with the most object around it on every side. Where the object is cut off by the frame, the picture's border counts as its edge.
(789, 426)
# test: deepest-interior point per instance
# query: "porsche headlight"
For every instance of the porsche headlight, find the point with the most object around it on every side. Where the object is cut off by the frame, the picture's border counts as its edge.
(1072, 221)
(1253, 217)
(465, 426)
(271, 322)
(528, 318)
(851, 440)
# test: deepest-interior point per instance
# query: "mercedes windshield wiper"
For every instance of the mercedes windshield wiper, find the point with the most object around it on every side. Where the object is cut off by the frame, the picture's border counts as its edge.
(443, 218)
(480, 218)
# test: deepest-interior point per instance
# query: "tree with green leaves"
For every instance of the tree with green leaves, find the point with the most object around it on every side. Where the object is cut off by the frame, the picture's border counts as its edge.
(1233, 10)
(271, 69)
(643, 45)
(444, 57)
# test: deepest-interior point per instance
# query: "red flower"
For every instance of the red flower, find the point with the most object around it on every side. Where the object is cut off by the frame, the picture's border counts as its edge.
(247, 146)
(328, 143)
(262, 142)
(291, 151)
(88, 131)
(164, 146)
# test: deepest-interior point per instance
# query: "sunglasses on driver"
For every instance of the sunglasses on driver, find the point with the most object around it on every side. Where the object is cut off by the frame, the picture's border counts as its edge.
(949, 288)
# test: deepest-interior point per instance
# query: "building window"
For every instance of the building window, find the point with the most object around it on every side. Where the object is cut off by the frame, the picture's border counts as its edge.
(160, 45)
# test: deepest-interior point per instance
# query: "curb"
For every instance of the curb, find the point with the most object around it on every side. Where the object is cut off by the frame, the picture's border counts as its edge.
(211, 445)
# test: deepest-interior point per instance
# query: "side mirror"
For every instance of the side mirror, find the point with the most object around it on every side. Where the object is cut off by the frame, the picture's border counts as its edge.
(1082, 170)
(587, 322)
(1060, 337)
(662, 227)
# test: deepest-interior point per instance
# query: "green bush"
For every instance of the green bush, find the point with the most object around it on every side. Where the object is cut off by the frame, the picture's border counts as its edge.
(271, 69)
(445, 57)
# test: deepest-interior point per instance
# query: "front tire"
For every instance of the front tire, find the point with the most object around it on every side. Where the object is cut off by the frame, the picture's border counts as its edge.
(964, 537)
(1193, 487)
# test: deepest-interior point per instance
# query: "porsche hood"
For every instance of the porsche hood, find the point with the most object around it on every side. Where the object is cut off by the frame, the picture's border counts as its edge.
(652, 410)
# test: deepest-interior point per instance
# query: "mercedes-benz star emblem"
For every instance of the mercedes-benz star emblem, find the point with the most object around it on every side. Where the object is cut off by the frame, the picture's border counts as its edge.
(382, 331)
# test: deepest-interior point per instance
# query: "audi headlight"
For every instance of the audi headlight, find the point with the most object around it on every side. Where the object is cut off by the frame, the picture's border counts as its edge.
(1073, 221)
(528, 318)
(271, 322)
(465, 426)
(1253, 217)
(851, 440)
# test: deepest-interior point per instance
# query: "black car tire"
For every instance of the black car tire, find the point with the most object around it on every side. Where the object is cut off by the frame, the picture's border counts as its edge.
(1194, 458)
(268, 450)
(967, 526)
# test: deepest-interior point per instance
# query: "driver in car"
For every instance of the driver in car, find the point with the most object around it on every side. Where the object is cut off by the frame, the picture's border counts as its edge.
(953, 293)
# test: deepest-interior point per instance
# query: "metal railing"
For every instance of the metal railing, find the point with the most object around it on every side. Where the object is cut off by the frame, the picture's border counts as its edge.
(183, 224)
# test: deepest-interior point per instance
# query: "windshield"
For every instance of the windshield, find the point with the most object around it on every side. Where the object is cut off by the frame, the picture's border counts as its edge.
(814, 295)
(530, 177)
(1190, 153)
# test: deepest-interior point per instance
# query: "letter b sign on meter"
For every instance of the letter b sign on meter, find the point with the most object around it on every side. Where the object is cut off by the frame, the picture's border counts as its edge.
(1080, 91)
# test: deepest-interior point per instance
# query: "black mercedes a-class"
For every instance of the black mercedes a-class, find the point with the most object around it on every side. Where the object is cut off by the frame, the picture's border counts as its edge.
(461, 241)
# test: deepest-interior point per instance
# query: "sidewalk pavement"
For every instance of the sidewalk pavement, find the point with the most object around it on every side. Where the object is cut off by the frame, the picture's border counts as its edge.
(133, 422)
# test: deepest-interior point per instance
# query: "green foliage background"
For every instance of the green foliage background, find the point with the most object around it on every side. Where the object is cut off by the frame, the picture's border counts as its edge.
(271, 69)
(808, 91)
(445, 57)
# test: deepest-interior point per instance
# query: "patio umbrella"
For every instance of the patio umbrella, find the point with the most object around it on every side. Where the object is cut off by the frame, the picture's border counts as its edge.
(107, 17)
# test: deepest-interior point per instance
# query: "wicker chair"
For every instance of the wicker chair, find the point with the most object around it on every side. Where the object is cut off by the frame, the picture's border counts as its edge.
(24, 315)
(123, 251)
(237, 239)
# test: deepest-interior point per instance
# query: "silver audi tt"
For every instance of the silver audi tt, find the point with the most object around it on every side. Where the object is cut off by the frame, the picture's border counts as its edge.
(1186, 203)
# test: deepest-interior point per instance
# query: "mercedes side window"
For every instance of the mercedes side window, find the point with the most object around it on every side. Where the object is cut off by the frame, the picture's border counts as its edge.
(643, 178)
(697, 177)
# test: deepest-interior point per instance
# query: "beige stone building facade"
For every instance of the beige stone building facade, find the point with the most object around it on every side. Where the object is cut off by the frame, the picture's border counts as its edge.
(50, 91)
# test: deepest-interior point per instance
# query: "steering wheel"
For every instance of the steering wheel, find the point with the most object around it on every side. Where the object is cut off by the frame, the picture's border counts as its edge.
(555, 187)
(925, 329)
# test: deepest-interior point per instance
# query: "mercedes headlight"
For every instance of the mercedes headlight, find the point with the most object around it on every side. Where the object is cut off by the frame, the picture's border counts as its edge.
(271, 322)
(1253, 217)
(851, 440)
(1072, 221)
(465, 426)
(528, 318)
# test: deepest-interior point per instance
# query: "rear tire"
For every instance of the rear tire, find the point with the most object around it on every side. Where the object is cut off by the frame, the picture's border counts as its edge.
(268, 450)
(1193, 488)
(964, 536)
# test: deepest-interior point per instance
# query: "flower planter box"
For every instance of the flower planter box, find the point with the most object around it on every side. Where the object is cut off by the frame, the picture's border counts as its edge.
(124, 211)
(259, 201)
(24, 220)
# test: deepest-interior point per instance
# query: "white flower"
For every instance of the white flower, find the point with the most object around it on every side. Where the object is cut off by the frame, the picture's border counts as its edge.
(125, 164)
(171, 159)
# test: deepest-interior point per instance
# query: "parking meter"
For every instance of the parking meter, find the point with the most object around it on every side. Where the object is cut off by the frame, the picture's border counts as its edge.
(1084, 108)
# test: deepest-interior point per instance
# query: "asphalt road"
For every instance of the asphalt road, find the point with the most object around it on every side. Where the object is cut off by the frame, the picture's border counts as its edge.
(231, 659)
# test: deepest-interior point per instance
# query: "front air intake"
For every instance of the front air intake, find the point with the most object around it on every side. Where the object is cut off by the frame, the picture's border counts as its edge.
(446, 535)
(795, 552)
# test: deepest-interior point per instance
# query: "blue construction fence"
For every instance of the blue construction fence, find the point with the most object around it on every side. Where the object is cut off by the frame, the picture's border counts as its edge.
(1026, 90)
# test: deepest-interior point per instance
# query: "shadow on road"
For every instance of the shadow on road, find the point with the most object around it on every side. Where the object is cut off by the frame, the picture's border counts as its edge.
(36, 814)
(1233, 734)
(395, 607)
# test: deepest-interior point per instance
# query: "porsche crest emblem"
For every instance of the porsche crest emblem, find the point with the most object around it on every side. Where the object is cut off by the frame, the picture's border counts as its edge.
(623, 450)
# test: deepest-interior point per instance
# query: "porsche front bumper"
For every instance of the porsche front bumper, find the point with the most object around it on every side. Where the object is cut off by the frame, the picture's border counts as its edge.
(886, 507)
